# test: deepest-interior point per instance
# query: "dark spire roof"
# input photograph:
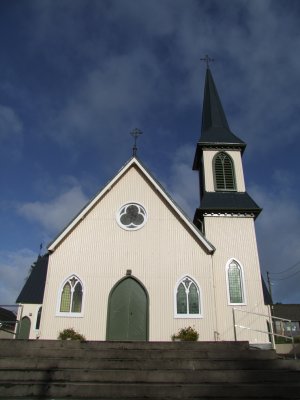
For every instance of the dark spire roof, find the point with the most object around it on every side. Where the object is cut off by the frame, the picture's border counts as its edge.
(215, 130)
(33, 289)
(215, 133)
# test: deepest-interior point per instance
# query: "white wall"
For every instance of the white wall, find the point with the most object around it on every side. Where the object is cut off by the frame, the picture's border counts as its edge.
(99, 252)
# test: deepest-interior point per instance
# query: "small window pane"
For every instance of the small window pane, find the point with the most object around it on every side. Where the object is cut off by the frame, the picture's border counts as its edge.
(65, 298)
(181, 300)
(77, 298)
(235, 283)
(193, 300)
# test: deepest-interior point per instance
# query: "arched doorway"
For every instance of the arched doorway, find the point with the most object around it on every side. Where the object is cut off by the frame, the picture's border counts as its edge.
(24, 330)
(127, 317)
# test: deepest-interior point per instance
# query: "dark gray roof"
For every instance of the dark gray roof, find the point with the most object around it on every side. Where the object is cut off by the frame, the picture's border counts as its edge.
(215, 130)
(226, 202)
(33, 290)
(7, 315)
(288, 311)
(7, 320)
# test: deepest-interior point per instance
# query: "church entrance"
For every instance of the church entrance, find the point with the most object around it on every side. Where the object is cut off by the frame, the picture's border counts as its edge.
(24, 329)
(127, 317)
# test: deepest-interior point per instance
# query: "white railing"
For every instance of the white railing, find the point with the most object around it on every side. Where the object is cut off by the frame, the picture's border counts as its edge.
(270, 333)
(11, 326)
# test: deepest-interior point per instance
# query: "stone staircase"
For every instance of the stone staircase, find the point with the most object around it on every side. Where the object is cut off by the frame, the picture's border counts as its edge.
(39, 369)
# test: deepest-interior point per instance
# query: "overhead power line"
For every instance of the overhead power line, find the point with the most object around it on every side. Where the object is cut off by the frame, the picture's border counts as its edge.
(287, 277)
(287, 269)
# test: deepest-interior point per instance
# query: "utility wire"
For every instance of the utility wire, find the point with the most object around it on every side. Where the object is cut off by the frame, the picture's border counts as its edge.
(285, 270)
(287, 277)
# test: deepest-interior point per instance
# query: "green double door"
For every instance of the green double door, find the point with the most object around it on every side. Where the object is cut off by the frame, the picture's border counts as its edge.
(127, 311)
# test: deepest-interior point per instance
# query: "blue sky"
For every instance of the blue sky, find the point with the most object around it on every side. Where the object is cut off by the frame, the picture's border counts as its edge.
(76, 76)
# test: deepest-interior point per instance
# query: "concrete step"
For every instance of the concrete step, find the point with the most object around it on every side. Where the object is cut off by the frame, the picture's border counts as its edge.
(148, 376)
(149, 364)
(98, 345)
(139, 354)
(151, 391)
(140, 370)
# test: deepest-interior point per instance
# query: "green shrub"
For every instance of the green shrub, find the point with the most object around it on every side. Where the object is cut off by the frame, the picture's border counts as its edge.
(70, 334)
(282, 340)
(297, 339)
(186, 334)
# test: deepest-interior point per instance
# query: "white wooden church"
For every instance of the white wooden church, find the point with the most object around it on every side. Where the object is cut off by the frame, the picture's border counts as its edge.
(132, 266)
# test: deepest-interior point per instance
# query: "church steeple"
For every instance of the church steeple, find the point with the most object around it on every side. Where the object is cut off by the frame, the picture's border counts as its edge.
(218, 159)
(215, 130)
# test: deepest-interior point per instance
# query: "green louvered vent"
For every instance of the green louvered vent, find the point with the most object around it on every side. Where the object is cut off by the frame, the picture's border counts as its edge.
(224, 172)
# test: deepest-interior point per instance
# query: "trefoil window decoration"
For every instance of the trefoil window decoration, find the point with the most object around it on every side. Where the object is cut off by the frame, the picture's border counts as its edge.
(132, 216)
(224, 172)
(71, 296)
(188, 299)
(235, 283)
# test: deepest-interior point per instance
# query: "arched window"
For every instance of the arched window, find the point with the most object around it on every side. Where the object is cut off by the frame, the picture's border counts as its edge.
(224, 172)
(235, 283)
(187, 299)
(38, 318)
(71, 296)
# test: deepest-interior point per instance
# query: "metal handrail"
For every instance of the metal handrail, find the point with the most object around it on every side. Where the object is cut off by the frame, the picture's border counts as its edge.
(16, 322)
(270, 333)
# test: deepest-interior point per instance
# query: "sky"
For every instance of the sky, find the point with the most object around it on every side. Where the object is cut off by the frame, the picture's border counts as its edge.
(77, 76)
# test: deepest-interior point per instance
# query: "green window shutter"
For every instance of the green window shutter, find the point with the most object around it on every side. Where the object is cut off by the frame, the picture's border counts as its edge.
(229, 174)
(224, 172)
(219, 174)
(65, 298)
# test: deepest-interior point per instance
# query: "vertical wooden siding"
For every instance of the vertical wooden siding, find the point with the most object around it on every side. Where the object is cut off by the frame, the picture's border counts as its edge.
(234, 237)
(100, 252)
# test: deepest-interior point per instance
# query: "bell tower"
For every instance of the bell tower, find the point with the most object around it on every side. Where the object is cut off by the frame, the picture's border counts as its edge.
(226, 216)
(218, 159)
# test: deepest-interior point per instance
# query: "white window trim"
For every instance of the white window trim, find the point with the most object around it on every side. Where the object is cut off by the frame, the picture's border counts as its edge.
(138, 226)
(70, 314)
(244, 302)
(188, 316)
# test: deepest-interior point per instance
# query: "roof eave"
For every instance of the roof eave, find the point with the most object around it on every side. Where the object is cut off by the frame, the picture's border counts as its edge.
(253, 212)
(55, 243)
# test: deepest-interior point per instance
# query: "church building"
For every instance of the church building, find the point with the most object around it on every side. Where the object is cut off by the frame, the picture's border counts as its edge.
(132, 266)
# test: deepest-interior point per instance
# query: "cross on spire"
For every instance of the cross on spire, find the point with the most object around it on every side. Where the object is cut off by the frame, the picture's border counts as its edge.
(207, 60)
(135, 133)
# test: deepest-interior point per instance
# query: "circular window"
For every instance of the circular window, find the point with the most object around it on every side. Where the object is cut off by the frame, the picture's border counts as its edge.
(132, 216)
